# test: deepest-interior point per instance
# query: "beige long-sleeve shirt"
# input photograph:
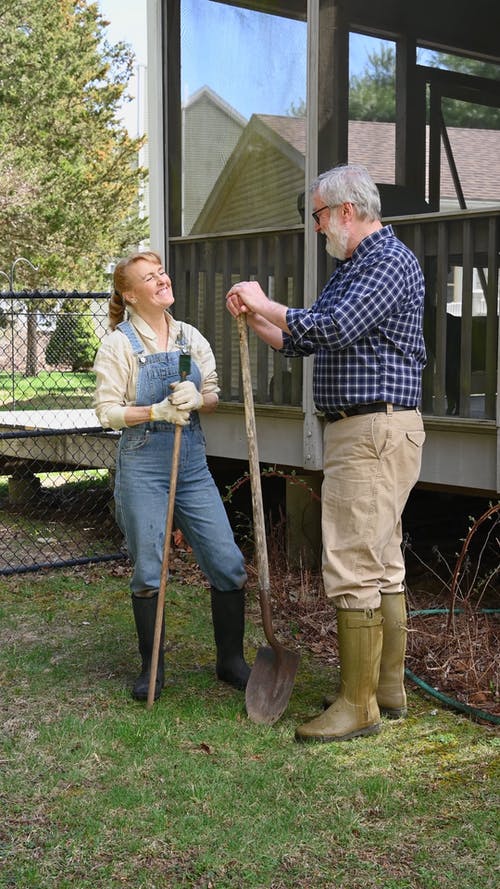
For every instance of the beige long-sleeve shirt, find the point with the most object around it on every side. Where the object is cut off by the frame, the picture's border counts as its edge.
(116, 366)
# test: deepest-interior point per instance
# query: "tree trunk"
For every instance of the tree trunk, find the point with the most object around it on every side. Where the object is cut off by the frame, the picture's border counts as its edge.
(31, 344)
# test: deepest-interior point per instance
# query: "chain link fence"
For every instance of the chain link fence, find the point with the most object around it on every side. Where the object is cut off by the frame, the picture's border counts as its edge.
(56, 463)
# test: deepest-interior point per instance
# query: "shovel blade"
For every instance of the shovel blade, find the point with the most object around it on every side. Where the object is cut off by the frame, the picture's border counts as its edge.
(270, 684)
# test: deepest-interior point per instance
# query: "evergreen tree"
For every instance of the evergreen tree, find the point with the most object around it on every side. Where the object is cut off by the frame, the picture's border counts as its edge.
(74, 341)
(69, 176)
(372, 95)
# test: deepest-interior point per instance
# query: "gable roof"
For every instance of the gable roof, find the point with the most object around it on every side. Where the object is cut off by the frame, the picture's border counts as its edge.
(372, 143)
(260, 183)
(208, 95)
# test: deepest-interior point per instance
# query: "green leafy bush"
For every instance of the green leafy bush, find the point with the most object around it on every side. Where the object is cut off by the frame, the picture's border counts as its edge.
(74, 341)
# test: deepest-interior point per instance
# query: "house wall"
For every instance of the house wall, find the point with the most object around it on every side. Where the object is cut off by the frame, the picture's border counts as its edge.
(463, 454)
(262, 194)
(210, 134)
(458, 454)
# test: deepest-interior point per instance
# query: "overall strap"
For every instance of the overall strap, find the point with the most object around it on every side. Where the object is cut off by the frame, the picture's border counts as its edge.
(128, 329)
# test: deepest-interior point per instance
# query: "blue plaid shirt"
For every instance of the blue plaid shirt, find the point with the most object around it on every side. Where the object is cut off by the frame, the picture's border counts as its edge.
(365, 329)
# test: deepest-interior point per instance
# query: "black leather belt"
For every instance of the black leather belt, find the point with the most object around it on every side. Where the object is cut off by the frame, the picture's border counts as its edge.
(376, 407)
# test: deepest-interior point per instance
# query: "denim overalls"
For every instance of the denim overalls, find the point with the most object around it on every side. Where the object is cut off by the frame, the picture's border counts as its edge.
(142, 484)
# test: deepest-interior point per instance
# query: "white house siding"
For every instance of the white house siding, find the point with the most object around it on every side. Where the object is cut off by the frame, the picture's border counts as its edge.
(211, 130)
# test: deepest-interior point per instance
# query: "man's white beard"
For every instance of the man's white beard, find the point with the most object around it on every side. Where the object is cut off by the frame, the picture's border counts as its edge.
(336, 240)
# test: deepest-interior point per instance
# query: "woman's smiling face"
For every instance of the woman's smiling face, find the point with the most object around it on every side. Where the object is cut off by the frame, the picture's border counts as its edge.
(149, 286)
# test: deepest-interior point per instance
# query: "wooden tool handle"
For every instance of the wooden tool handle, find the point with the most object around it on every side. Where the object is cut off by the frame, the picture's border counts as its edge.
(255, 483)
(160, 605)
(184, 370)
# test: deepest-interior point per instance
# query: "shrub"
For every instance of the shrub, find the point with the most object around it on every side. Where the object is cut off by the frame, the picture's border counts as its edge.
(74, 341)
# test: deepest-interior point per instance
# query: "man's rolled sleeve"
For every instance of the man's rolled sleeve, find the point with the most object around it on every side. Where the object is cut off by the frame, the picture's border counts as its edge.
(296, 342)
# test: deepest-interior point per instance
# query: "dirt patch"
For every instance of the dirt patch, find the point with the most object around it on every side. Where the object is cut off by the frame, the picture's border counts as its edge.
(452, 549)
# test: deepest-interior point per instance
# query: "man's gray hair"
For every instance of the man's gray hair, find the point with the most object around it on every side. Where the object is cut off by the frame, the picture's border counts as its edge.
(351, 183)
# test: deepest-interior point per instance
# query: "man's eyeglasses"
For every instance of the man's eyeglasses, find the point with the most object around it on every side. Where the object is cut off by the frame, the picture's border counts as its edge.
(315, 214)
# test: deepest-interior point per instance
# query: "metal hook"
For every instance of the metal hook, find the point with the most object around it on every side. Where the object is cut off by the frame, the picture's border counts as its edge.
(13, 266)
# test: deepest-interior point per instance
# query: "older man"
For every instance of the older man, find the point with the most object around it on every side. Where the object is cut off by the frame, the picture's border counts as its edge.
(365, 332)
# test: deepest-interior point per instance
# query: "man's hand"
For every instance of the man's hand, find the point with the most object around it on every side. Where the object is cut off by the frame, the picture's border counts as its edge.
(247, 296)
(186, 396)
(266, 317)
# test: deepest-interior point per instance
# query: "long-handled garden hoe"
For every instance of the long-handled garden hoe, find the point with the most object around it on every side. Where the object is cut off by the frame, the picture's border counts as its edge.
(184, 369)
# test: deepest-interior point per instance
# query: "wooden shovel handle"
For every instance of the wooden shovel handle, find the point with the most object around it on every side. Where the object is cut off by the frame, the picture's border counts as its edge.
(255, 484)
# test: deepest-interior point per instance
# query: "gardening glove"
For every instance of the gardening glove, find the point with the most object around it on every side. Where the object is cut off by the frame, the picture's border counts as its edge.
(186, 396)
(170, 413)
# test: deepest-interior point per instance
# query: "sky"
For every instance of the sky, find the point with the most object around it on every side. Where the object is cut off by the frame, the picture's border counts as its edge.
(128, 22)
(270, 51)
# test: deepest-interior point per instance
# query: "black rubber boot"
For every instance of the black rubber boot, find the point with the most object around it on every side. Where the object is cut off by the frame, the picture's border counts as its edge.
(145, 616)
(228, 616)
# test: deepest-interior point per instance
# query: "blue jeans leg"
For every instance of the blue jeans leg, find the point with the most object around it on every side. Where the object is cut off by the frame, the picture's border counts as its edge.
(141, 493)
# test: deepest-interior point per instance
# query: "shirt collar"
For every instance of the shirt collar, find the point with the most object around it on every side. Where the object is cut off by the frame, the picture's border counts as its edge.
(371, 241)
(147, 332)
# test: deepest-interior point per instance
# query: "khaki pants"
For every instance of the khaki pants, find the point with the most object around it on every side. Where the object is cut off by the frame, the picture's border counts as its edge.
(371, 463)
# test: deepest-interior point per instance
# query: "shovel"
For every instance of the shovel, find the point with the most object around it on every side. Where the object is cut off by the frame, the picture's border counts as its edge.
(273, 673)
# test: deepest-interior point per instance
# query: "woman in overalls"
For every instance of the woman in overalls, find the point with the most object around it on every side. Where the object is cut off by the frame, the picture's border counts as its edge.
(139, 391)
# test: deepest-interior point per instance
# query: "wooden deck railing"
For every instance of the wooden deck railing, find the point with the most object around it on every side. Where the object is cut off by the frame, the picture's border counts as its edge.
(203, 269)
(459, 253)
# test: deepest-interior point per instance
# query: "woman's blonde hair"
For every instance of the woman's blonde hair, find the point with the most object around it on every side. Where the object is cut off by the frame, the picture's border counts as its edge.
(121, 282)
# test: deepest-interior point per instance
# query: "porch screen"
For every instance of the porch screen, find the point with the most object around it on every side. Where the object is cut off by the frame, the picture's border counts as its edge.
(243, 77)
(243, 89)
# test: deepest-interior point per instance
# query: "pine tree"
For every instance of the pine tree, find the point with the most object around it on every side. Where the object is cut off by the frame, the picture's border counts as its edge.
(372, 94)
(69, 176)
(74, 341)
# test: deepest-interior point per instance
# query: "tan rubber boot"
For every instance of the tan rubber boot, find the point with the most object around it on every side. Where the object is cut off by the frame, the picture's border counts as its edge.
(355, 711)
(391, 694)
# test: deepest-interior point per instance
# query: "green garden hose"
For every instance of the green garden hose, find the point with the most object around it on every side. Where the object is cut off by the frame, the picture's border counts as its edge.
(445, 699)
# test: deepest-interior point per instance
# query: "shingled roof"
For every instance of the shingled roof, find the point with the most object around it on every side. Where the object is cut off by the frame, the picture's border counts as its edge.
(372, 143)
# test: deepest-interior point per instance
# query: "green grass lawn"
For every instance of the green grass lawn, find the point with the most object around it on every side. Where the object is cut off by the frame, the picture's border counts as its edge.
(97, 791)
(48, 390)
